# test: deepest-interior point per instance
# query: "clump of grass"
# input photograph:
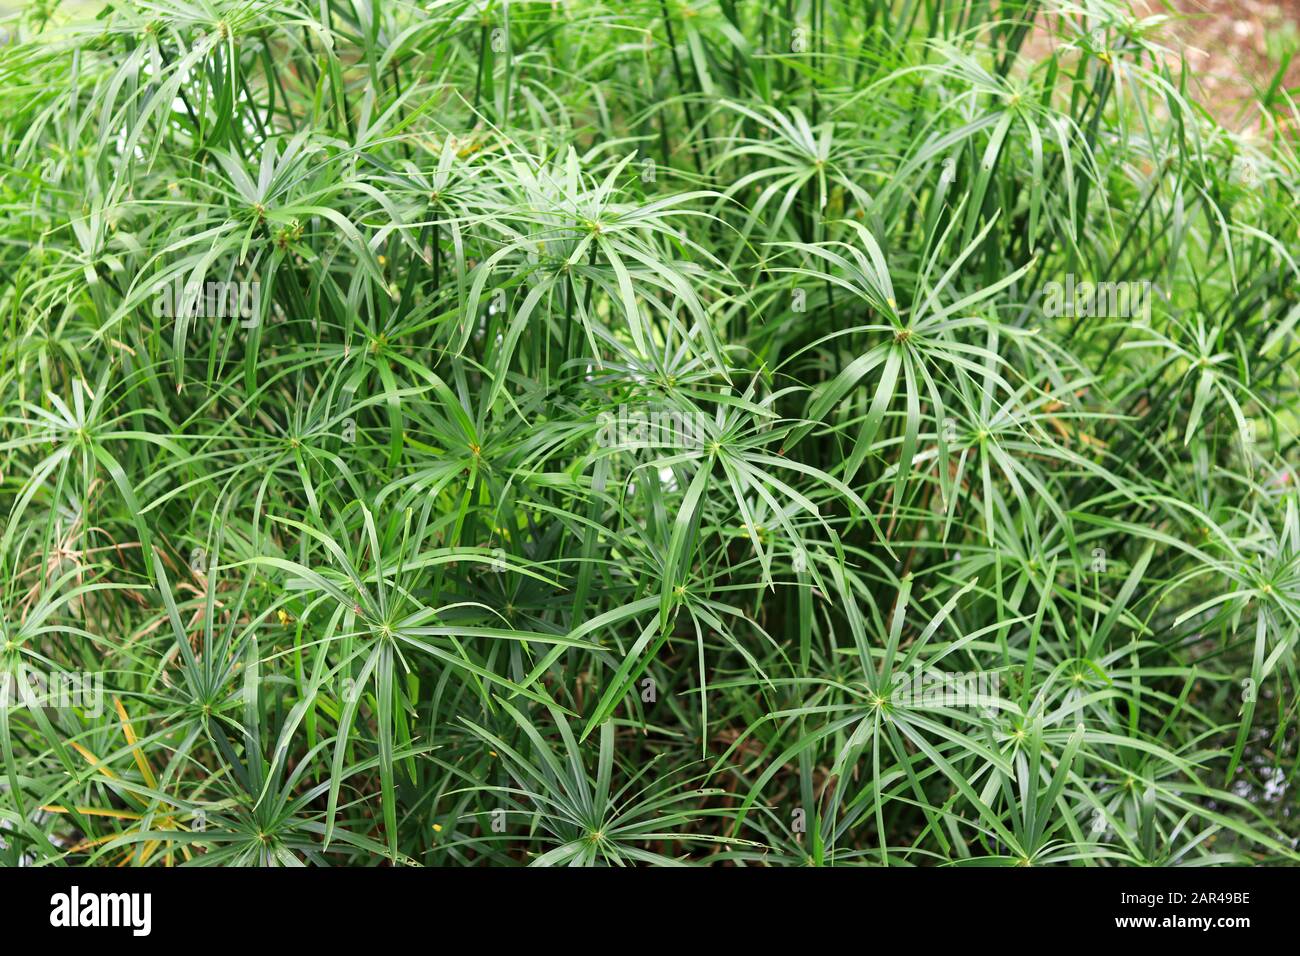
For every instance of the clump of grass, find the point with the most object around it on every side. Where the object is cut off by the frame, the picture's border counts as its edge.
(481, 433)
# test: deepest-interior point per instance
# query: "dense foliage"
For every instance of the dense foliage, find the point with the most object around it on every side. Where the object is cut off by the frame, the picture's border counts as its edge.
(572, 433)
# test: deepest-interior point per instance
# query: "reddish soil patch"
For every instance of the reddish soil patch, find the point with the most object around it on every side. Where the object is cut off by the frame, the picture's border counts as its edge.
(1234, 48)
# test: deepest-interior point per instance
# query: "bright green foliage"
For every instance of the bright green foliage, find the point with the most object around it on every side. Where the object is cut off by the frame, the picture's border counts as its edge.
(621, 410)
